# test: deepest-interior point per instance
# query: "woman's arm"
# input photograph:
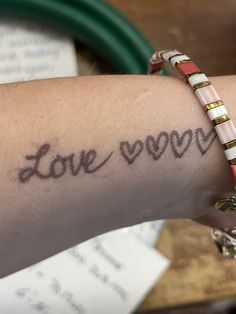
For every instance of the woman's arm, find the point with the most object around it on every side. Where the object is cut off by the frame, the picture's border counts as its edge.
(83, 156)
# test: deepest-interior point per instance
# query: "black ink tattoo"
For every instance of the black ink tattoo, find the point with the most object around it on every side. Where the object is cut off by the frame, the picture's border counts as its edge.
(180, 143)
(26, 173)
(59, 165)
(156, 147)
(131, 151)
(87, 160)
(204, 140)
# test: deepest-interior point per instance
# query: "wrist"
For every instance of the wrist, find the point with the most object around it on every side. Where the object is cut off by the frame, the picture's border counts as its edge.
(191, 185)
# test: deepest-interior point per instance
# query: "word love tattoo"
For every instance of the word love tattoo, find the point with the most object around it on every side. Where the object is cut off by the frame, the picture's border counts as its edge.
(179, 144)
(59, 165)
(155, 147)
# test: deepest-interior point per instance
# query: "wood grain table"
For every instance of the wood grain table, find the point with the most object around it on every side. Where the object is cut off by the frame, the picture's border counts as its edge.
(206, 30)
(198, 273)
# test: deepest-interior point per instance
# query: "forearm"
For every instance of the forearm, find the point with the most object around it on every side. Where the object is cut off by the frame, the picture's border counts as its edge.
(95, 163)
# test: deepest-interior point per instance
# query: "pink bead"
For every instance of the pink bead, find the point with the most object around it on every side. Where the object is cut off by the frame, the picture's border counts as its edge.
(226, 131)
(207, 94)
(187, 68)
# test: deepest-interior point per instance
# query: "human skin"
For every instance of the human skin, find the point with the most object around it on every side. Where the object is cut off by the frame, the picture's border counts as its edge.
(119, 175)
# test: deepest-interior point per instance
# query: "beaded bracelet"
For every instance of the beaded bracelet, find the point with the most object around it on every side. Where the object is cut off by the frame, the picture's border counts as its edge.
(224, 127)
(212, 104)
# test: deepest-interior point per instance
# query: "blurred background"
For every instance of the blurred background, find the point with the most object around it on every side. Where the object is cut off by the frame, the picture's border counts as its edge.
(203, 29)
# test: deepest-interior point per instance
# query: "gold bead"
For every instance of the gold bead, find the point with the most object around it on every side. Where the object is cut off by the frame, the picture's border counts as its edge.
(232, 161)
(213, 105)
(229, 144)
(220, 119)
(202, 84)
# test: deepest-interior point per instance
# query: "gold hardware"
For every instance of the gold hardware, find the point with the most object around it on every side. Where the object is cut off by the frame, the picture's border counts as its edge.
(226, 204)
(213, 105)
(232, 161)
(182, 62)
(220, 119)
(229, 144)
(202, 84)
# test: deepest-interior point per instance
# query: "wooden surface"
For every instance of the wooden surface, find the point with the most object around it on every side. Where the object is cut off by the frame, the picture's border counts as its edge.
(198, 273)
(206, 30)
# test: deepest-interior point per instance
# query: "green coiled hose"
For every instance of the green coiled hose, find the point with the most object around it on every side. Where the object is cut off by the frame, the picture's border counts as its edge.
(92, 22)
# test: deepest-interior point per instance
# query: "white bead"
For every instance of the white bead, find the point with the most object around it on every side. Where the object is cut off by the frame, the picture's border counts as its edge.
(178, 59)
(168, 54)
(197, 78)
(159, 53)
(230, 153)
(216, 112)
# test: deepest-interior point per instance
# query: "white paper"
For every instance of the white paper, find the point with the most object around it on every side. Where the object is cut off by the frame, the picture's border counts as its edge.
(108, 274)
(29, 52)
(148, 232)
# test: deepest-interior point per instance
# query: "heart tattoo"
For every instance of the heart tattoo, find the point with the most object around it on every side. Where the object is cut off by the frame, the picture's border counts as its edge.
(156, 147)
(203, 140)
(131, 151)
(180, 143)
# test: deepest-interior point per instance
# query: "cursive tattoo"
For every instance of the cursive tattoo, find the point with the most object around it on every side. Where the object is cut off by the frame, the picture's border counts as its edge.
(179, 143)
(87, 161)
(60, 165)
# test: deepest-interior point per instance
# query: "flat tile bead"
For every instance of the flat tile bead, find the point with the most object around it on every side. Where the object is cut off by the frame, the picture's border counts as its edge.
(167, 55)
(207, 94)
(179, 59)
(216, 112)
(160, 53)
(197, 78)
(233, 171)
(187, 68)
(230, 153)
(226, 131)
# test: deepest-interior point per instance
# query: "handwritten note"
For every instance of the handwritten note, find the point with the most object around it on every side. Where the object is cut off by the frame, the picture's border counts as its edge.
(29, 52)
(107, 274)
